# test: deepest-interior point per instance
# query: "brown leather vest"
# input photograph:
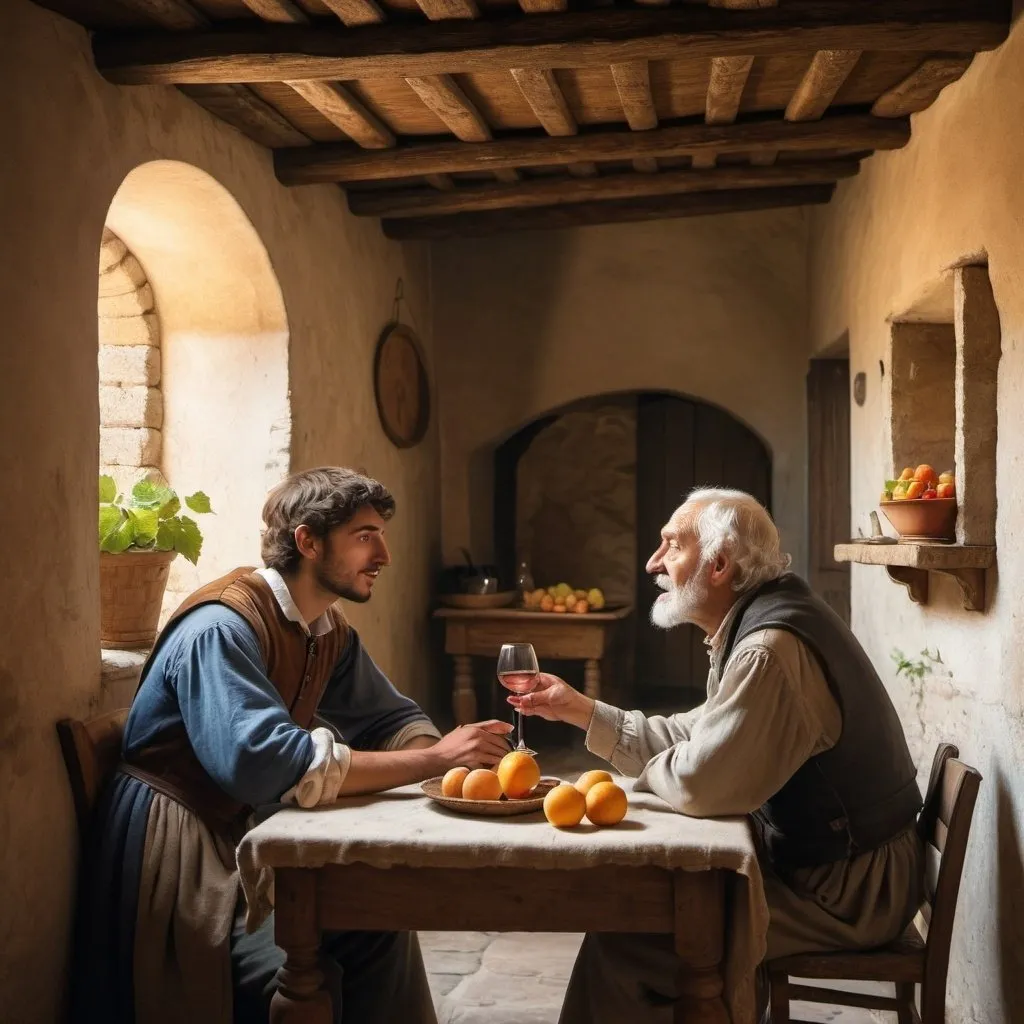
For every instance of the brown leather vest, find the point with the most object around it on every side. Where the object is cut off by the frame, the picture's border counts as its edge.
(298, 665)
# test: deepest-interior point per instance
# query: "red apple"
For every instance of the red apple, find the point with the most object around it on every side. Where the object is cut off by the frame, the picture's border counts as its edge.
(945, 491)
(930, 493)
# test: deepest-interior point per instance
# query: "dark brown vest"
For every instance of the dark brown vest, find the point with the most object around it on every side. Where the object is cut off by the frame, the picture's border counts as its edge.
(863, 791)
(298, 665)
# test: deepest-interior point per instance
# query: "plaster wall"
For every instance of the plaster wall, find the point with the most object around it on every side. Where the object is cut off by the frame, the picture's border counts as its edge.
(879, 250)
(69, 142)
(709, 307)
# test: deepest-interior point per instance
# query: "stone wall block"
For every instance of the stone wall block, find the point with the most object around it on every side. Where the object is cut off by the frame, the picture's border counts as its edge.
(978, 349)
(123, 278)
(131, 407)
(133, 330)
(129, 446)
(129, 364)
(135, 302)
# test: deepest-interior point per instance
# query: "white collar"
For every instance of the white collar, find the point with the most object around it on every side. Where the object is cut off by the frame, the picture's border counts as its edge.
(717, 642)
(322, 625)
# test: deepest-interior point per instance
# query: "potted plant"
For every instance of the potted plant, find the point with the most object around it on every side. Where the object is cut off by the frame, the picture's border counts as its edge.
(139, 538)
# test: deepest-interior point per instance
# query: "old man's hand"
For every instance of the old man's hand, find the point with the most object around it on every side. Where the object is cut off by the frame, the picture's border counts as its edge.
(555, 700)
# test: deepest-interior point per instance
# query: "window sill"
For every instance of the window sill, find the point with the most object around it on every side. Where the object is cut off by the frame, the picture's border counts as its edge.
(120, 666)
(909, 563)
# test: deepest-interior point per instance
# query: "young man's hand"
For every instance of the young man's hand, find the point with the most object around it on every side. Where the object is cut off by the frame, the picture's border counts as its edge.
(478, 745)
(555, 700)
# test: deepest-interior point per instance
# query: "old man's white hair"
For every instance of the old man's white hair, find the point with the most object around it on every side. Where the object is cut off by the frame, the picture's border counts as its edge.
(736, 524)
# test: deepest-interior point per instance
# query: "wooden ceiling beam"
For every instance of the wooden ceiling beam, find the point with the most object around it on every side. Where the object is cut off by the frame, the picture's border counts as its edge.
(822, 80)
(441, 10)
(725, 88)
(547, 101)
(421, 202)
(274, 53)
(278, 12)
(633, 84)
(355, 12)
(700, 204)
(344, 111)
(920, 89)
(346, 163)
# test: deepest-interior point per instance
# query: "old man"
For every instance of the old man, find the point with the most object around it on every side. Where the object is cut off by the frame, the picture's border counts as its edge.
(797, 732)
(257, 691)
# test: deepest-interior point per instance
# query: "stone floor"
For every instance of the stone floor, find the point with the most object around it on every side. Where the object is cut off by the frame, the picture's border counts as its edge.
(520, 978)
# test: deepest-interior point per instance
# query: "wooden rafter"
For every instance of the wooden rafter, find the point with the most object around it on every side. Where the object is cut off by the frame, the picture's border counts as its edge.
(440, 10)
(570, 39)
(821, 81)
(919, 89)
(355, 12)
(633, 84)
(543, 218)
(281, 12)
(726, 82)
(345, 163)
(556, 191)
(344, 111)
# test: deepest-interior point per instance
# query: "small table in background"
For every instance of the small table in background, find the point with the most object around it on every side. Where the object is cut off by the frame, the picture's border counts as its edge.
(565, 637)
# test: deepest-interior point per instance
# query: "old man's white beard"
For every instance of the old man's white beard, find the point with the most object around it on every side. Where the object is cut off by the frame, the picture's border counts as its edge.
(680, 603)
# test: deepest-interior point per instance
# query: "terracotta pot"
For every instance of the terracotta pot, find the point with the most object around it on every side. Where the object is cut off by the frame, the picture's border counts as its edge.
(132, 588)
(922, 518)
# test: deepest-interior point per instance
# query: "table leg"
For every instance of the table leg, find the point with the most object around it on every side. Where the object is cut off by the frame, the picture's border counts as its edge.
(464, 697)
(300, 997)
(700, 941)
(592, 678)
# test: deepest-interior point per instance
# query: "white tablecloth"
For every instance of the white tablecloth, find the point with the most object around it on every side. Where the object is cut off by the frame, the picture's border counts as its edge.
(403, 827)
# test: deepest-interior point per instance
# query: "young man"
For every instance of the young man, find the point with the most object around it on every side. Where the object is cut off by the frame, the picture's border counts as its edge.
(257, 691)
(797, 731)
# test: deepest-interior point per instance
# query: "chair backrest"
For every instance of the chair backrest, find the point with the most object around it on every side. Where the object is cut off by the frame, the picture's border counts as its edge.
(92, 750)
(945, 826)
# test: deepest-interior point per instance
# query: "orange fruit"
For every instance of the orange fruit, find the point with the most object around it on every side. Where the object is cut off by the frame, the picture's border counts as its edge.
(590, 779)
(926, 475)
(481, 784)
(606, 804)
(547, 603)
(559, 607)
(915, 489)
(564, 806)
(518, 774)
(581, 607)
(451, 784)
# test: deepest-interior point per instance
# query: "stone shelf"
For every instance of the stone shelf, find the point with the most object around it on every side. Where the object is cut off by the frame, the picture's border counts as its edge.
(909, 563)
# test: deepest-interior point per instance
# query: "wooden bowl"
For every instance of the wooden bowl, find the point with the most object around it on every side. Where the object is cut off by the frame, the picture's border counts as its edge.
(931, 519)
(502, 808)
(479, 601)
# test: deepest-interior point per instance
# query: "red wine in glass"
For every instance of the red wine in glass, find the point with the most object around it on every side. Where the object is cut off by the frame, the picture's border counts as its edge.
(518, 671)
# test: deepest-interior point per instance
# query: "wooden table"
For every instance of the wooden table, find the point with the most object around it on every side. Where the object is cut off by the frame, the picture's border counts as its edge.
(565, 637)
(398, 862)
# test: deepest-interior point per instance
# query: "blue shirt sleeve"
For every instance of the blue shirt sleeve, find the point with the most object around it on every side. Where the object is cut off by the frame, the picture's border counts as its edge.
(237, 723)
(362, 703)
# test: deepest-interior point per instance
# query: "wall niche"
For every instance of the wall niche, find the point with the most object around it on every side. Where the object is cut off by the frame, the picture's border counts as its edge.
(941, 395)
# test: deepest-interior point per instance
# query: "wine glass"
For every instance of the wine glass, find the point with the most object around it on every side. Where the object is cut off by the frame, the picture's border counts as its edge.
(518, 671)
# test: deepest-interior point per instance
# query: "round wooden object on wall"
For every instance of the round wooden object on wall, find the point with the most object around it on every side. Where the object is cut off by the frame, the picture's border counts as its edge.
(400, 386)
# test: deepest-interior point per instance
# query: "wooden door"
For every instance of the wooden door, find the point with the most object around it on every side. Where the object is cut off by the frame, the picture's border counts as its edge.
(828, 451)
(682, 444)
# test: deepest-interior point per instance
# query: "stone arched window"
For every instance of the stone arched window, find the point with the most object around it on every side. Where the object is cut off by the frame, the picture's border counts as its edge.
(131, 402)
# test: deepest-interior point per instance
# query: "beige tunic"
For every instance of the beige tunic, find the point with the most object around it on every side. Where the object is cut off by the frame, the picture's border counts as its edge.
(767, 711)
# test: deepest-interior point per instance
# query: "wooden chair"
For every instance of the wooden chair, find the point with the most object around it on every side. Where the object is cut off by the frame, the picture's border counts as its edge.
(921, 955)
(92, 750)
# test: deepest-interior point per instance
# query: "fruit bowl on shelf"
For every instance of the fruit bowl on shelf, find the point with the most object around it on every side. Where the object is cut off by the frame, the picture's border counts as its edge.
(929, 519)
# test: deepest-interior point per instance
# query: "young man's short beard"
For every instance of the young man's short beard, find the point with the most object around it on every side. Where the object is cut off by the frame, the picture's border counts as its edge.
(682, 602)
(343, 588)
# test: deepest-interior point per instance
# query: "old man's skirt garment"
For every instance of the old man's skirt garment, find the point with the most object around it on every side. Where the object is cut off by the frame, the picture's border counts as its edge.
(160, 937)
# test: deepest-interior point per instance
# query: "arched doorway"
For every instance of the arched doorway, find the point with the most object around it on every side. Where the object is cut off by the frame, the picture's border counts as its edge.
(582, 493)
(215, 392)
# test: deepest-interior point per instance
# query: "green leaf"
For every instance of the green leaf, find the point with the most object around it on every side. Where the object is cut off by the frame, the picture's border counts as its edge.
(146, 523)
(110, 519)
(146, 494)
(120, 538)
(198, 502)
(169, 508)
(189, 541)
(108, 488)
(890, 484)
(166, 532)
